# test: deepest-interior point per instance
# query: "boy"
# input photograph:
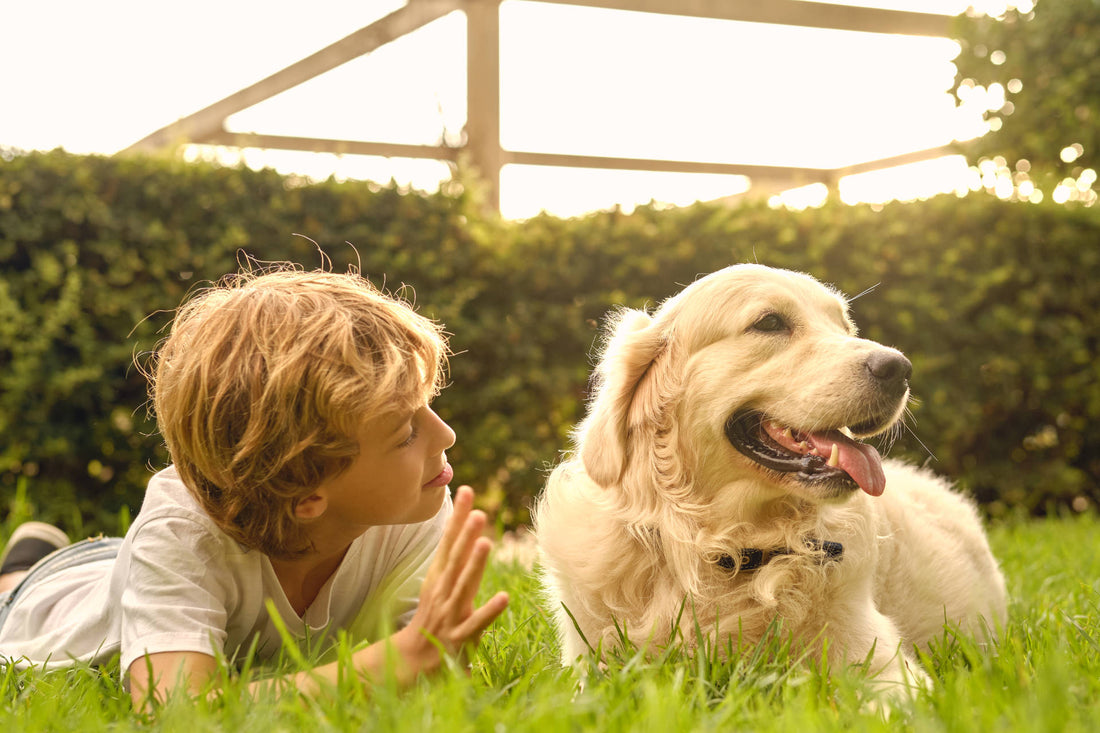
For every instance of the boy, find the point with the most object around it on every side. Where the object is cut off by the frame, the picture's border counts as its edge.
(309, 475)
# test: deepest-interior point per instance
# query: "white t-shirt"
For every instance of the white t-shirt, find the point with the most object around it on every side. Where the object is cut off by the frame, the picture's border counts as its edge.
(181, 584)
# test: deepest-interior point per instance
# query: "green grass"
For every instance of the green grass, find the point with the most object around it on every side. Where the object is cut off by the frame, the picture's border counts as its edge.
(1043, 675)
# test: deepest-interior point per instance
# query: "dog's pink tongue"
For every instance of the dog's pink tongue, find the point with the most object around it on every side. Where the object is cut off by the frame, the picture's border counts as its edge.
(859, 460)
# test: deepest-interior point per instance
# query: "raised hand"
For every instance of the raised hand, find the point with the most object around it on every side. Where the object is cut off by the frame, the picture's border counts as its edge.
(446, 619)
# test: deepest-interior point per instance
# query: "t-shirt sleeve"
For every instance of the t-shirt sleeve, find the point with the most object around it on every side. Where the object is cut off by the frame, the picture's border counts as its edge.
(177, 594)
(395, 599)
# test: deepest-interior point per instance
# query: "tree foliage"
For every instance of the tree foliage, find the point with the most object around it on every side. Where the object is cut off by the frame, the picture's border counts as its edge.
(1037, 70)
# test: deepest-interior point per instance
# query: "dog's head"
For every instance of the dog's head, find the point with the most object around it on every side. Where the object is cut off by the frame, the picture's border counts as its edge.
(750, 376)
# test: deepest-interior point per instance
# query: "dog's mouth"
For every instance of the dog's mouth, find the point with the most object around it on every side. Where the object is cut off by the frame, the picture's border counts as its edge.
(830, 457)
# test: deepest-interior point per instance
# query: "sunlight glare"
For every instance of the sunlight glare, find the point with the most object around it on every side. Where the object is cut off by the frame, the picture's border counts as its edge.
(804, 197)
(570, 192)
(949, 174)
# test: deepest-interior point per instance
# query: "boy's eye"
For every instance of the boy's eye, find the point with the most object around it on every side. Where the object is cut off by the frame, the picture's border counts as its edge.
(413, 432)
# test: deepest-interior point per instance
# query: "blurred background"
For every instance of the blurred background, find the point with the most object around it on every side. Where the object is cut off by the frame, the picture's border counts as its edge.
(941, 154)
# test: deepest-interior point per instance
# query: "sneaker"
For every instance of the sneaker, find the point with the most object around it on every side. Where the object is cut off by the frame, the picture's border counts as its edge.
(29, 543)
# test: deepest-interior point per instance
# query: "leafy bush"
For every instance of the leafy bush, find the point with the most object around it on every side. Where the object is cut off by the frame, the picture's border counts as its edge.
(993, 302)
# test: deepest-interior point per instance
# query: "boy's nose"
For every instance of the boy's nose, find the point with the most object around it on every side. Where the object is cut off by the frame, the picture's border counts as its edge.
(442, 431)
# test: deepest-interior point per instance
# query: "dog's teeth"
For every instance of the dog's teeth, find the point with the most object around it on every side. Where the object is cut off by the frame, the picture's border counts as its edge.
(787, 433)
(803, 446)
(834, 457)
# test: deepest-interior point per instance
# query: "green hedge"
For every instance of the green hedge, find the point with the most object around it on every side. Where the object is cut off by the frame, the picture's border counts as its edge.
(995, 304)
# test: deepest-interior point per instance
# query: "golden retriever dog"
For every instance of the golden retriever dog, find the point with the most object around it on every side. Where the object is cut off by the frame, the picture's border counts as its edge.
(720, 478)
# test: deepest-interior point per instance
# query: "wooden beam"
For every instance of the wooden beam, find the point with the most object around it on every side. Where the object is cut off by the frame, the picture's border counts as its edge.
(327, 145)
(209, 120)
(788, 12)
(917, 156)
(758, 173)
(782, 176)
(483, 93)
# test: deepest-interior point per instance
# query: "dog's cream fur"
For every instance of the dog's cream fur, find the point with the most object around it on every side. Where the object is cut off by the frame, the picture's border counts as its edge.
(630, 526)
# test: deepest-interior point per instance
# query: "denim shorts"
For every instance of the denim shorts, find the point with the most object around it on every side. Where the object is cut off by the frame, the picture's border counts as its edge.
(78, 553)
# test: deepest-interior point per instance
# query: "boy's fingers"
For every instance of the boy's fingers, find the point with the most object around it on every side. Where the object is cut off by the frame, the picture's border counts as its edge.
(460, 551)
(464, 498)
(463, 502)
(480, 619)
(472, 532)
(473, 571)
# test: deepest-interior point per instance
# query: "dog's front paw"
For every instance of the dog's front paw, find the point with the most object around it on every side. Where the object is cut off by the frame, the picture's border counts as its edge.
(897, 685)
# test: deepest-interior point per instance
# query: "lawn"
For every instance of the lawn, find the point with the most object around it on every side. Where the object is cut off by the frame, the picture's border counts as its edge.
(1043, 675)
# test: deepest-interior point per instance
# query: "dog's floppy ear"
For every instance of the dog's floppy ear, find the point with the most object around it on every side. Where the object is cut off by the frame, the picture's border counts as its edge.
(621, 401)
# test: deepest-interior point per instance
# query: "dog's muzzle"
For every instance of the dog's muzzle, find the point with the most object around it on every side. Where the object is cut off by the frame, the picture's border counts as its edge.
(831, 459)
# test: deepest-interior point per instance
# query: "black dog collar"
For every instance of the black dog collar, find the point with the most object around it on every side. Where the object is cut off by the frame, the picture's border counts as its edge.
(752, 558)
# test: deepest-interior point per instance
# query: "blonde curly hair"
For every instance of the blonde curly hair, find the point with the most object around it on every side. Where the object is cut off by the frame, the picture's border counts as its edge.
(264, 381)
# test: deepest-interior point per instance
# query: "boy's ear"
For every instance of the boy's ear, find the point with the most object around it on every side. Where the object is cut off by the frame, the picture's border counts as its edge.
(311, 507)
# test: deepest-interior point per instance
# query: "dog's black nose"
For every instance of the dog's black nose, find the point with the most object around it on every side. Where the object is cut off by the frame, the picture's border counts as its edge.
(890, 369)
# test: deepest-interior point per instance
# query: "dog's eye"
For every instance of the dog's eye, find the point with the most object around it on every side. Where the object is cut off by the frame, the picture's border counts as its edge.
(771, 323)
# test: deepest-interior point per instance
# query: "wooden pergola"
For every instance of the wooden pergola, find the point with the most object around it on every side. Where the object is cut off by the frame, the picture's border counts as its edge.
(482, 146)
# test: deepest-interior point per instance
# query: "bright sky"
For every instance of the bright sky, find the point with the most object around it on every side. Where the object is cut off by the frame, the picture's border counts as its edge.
(96, 77)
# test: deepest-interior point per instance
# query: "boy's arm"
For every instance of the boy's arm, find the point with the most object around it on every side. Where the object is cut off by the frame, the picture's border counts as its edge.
(445, 615)
(165, 669)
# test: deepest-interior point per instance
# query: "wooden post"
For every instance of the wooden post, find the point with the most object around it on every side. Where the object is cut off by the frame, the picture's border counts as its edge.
(483, 93)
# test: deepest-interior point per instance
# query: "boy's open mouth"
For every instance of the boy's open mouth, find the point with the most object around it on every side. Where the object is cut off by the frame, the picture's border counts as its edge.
(831, 456)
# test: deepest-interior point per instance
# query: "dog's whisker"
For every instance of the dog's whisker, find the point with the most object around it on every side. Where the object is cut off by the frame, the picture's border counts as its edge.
(905, 427)
(865, 292)
(892, 436)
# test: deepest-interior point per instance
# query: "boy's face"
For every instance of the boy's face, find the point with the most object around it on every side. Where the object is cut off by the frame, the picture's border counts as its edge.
(400, 475)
